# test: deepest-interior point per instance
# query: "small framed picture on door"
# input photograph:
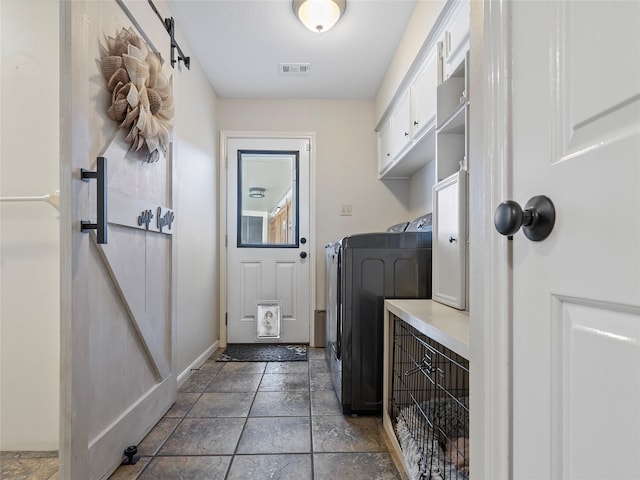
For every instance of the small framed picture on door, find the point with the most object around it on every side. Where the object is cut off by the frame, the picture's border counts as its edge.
(268, 319)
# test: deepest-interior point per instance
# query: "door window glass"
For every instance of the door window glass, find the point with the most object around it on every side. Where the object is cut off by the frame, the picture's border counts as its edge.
(267, 198)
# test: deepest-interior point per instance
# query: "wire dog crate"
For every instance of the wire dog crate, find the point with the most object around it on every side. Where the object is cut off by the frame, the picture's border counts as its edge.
(429, 405)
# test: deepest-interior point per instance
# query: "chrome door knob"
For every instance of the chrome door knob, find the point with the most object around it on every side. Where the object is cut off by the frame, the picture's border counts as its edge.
(537, 219)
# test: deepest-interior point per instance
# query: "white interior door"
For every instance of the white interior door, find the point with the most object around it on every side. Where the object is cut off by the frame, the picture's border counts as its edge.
(118, 313)
(268, 244)
(576, 295)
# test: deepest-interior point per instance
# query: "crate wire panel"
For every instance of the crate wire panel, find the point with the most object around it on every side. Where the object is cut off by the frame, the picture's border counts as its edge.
(429, 405)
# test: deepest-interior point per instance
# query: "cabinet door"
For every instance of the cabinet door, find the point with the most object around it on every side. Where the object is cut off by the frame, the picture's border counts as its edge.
(423, 97)
(450, 241)
(384, 147)
(400, 126)
(457, 38)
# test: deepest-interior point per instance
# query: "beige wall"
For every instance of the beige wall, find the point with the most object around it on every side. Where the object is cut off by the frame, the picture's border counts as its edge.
(346, 165)
(420, 191)
(29, 232)
(196, 203)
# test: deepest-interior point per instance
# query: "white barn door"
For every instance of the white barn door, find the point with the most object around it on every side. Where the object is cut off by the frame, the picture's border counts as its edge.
(576, 294)
(118, 320)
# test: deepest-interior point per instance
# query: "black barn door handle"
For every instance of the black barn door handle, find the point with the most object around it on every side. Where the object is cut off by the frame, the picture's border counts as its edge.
(101, 199)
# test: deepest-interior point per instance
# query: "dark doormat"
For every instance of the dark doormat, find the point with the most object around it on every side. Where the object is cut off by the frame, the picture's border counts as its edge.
(260, 352)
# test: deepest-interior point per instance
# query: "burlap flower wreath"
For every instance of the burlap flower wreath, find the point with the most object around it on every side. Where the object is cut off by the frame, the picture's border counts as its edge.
(141, 98)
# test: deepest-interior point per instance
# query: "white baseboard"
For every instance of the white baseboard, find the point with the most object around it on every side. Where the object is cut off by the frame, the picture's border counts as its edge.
(186, 373)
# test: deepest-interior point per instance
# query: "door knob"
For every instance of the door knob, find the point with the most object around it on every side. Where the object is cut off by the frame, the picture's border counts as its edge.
(303, 254)
(537, 218)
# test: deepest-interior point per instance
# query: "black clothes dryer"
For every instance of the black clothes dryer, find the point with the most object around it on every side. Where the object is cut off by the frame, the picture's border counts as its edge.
(363, 270)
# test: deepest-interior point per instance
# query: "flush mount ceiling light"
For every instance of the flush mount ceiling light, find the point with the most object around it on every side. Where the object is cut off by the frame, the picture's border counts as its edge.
(319, 15)
(256, 192)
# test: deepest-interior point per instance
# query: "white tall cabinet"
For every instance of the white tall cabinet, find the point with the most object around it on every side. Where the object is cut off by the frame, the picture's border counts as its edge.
(427, 124)
(450, 202)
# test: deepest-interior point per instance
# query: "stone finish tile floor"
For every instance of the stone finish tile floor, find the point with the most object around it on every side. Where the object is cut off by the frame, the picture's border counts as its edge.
(235, 420)
(29, 465)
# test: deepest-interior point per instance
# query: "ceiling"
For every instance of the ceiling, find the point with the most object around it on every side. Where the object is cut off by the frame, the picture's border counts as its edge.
(239, 44)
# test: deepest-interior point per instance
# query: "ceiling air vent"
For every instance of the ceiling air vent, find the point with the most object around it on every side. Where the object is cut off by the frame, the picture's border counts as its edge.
(294, 68)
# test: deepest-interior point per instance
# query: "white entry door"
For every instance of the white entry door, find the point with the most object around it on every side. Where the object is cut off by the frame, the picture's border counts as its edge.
(117, 286)
(268, 243)
(576, 294)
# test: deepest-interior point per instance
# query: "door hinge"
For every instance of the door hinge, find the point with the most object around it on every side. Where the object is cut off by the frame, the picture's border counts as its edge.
(226, 319)
(225, 240)
(226, 161)
(308, 147)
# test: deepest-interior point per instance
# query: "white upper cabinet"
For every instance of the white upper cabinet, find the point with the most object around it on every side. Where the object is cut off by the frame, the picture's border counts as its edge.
(456, 38)
(423, 98)
(384, 147)
(412, 125)
(400, 126)
(407, 137)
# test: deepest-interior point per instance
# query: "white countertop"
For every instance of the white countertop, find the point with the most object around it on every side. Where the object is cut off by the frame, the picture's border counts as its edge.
(446, 325)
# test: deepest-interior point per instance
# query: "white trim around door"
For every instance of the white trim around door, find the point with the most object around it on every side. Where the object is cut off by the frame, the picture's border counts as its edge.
(490, 272)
